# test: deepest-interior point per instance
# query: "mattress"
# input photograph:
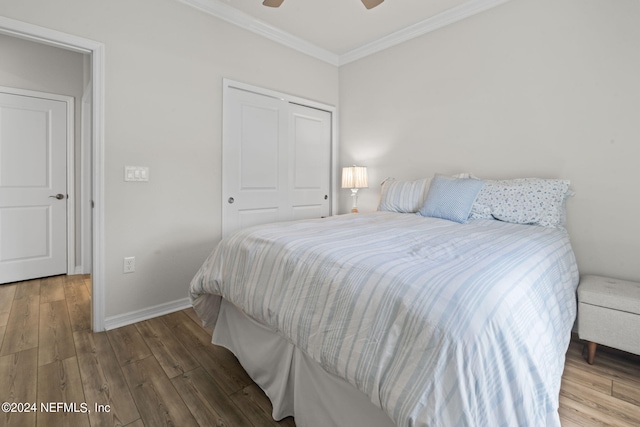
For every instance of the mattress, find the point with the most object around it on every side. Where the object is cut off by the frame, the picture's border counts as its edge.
(436, 323)
(293, 382)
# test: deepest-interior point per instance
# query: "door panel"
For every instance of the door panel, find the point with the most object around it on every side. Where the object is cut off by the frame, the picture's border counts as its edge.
(33, 227)
(251, 217)
(28, 225)
(259, 148)
(23, 156)
(306, 212)
(253, 153)
(310, 159)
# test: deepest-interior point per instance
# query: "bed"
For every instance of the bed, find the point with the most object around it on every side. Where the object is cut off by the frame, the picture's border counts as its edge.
(396, 319)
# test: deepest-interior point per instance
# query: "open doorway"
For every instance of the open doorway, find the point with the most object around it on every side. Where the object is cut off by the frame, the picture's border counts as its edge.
(37, 173)
(91, 155)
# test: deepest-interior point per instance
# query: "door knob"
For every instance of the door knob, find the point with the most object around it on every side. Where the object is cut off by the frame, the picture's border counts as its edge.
(231, 200)
(58, 196)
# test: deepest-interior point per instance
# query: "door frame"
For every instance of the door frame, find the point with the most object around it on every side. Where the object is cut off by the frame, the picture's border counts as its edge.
(228, 84)
(70, 147)
(95, 50)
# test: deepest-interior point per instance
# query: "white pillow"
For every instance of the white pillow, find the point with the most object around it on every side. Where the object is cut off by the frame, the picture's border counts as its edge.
(533, 201)
(402, 196)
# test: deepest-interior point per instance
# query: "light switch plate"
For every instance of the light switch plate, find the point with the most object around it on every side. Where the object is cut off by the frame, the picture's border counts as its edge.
(136, 173)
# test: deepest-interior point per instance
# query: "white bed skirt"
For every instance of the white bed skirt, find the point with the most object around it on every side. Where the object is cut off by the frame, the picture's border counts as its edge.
(296, 385)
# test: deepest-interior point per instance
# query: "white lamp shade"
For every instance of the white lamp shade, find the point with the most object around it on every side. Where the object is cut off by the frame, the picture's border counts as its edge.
(354, 177)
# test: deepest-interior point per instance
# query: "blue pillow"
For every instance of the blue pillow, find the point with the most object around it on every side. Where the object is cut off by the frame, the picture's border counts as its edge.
(451, 198)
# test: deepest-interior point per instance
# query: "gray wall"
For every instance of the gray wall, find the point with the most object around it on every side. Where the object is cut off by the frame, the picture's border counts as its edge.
(531, 88)
(165, 62)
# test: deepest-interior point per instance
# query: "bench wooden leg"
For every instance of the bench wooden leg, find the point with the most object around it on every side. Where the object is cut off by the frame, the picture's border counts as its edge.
(591, 352)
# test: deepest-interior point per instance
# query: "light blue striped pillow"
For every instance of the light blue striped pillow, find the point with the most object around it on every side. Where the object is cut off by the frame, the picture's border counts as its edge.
(402, 196)
(451, 198)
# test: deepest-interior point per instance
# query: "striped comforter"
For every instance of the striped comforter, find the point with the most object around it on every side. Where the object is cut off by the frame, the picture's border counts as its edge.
(439, 323)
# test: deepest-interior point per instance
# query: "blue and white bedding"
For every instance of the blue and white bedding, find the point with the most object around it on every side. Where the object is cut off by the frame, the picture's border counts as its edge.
(439, 323)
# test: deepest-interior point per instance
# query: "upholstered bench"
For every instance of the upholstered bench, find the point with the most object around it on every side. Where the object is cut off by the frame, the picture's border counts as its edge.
(609, 314)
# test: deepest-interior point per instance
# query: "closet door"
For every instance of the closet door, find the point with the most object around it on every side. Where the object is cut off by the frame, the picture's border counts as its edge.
(276, 160)
(309, 146)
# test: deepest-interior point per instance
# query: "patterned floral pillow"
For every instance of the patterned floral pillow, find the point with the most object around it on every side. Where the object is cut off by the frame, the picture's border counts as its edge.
(402, 196)
(533, 201)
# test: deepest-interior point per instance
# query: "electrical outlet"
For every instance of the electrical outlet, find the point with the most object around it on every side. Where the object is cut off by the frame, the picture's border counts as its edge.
(129, 264)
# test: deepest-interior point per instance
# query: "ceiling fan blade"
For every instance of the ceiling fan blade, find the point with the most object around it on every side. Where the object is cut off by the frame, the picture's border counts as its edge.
(370, 4)
(272, 3)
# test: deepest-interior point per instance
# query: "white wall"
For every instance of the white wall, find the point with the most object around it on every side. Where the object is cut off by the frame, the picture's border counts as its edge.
(531, 88)
(165, 62)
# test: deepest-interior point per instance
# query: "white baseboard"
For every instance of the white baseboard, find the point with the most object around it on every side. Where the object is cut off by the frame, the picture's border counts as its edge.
(120, 320)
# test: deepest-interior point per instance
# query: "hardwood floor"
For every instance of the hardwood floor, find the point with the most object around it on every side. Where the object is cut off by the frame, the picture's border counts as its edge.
(606, 393)
(159, 372)
(165, 371)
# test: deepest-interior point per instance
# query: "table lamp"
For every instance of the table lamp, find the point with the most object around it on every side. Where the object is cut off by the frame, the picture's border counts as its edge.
(354, 177)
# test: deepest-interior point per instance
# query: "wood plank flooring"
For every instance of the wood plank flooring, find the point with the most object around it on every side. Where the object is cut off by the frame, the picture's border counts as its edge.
(165, 371)
(160, 372)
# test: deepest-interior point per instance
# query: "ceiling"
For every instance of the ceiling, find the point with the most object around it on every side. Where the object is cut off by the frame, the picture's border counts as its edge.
(342, 31)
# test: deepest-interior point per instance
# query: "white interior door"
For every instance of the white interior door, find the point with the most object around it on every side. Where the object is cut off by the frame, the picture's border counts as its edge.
(310, 162)
(254, 155)
(276, 160)
(33, 187)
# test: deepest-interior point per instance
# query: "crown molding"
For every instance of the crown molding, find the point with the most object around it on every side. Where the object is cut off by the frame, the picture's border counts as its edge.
(440, 20)
(234, 16)
(243, 20)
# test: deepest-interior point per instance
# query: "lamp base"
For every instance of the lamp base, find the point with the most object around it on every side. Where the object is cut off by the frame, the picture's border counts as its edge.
(354, 195)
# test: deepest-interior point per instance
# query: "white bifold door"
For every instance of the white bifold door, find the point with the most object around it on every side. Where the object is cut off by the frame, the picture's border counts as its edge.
(276, 160)
(33, 187)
